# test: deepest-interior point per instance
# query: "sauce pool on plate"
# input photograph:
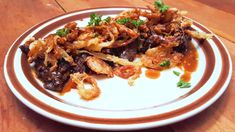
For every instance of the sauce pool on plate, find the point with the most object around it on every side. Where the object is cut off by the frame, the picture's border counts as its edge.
(190, 62)
(153, 74)
(189, 65)
(190, 59)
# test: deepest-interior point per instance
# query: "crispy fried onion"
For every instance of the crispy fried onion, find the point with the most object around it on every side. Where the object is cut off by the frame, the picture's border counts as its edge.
(124, 71)
(128, 72)
(153, 60)
(185, 23)
(95, 38)
(133, 14)
(48, 49)
(112, 58)
(36, 49)
(103, 36)
(99, 66)
(86, 93)
(126, 34)
(50, 58)
(131, 80)
(199, 35)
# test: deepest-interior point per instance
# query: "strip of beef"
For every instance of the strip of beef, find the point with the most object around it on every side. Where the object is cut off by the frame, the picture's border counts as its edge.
(126, 52)
(52, 80)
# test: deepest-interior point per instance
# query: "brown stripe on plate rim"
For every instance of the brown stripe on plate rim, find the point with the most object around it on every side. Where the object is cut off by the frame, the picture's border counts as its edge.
(20, 89)
(40, 34)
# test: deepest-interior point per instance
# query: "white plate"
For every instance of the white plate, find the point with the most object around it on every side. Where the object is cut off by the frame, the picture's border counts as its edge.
(149, 103)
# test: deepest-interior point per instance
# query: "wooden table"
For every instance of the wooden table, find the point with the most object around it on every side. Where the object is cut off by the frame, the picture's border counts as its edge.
(16, 16)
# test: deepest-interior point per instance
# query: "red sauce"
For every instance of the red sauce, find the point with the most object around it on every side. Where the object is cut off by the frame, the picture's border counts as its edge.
(125, 71)
(190, 62)
(189, 65)
(68, 86)
(153, 74)
(186, 76)
(190, 59)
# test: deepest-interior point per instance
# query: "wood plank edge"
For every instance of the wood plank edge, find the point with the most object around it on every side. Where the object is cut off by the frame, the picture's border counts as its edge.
(60, 6)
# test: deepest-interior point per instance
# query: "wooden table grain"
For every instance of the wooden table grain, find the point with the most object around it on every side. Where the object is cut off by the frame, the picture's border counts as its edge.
(16, 16)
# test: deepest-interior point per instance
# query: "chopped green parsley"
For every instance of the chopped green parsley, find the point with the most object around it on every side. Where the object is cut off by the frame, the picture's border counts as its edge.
(183, 84)
(161, 6)
(107, 19)
(165, 63)
(94, 20)
(176, 73)
(62, 32)
(137, 23)
(124, 21)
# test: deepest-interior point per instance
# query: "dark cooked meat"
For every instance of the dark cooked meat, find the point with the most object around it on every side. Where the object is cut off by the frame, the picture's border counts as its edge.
(24, 49)
(52, 80)
(126, 52)
(184, 40)
(129, 52)
(108, 51)
(55, 80)
(80, 63)
(163, 34)
(149, 38)
(58, 81)
(110, 63)
(42, 71)
(150, 42)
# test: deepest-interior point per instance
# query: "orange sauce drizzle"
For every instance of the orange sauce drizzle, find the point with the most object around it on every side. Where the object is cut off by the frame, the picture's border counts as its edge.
(68, 86)
(190, 59)
(186, 76)
(190, 62)
(153, 74)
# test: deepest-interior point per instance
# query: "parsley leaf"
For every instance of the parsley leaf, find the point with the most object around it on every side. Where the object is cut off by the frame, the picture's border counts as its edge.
(94, 20)
(161, 6)
(107, 19)
(62, 32)
(124, 21)
(137, 23)
(176, 73)
(183, 84)
(158, 4)
(165, 63)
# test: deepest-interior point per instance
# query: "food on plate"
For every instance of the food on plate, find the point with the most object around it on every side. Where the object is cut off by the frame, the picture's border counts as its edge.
(158, 38)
